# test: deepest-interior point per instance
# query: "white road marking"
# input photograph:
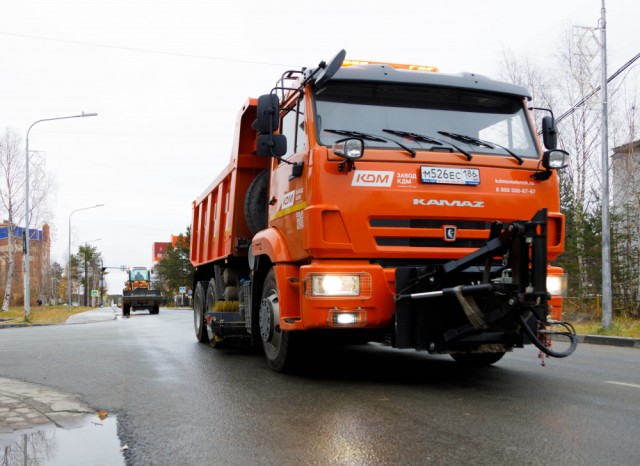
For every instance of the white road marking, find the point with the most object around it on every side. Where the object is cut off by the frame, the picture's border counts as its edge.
(633, 385)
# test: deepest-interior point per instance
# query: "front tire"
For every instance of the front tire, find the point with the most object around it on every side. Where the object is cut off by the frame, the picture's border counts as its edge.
(199, 310)
(276, 342)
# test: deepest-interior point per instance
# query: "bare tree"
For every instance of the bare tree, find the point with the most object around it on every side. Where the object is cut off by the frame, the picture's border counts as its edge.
(577, 76)
(12, 184)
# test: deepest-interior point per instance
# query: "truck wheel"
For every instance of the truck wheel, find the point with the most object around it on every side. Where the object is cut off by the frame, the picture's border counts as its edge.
(212, 298)
(477, 359)
(255, 203)
(126, 310)
(155, 309)
(199, 310)
(276, 342)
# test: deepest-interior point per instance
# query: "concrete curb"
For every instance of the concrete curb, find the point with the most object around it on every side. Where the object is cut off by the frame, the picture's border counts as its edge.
(621, 342)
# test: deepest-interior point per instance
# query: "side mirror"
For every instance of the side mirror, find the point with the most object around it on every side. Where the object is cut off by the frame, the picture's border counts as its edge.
(555, 159)
(269, 145)
(268, 114)
(349, 148)
(549, 133)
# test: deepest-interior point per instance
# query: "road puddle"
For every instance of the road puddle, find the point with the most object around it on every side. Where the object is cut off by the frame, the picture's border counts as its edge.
(94, 442)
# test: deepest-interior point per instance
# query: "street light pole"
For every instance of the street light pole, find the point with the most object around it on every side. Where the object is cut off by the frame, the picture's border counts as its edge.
(69, 258)
(27, 279)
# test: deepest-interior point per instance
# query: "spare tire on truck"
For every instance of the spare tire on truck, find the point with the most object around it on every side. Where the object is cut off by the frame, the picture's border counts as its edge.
(255, 202)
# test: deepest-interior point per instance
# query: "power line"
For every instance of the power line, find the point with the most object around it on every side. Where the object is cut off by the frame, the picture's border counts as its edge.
(141, 50)
(597, 89)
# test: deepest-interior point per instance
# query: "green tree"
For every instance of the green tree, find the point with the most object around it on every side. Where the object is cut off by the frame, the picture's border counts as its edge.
(175, 269)
(88, 261)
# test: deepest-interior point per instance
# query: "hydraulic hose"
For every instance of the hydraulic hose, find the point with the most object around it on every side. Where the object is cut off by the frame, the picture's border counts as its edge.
(570, 333)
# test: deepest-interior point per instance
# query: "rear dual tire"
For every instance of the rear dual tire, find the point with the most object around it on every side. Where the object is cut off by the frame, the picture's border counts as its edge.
(199, 312)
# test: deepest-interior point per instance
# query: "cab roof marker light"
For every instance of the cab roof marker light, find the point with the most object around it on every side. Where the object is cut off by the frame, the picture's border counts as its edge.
(397, 66)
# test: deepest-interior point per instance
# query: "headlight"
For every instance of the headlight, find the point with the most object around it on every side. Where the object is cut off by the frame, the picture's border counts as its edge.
(335, 285)
(557, 284)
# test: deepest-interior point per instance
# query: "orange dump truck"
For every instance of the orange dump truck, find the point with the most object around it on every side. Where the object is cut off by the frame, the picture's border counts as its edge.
(369, 201)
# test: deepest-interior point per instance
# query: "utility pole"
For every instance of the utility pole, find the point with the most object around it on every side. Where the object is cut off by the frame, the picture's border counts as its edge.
(607, 305)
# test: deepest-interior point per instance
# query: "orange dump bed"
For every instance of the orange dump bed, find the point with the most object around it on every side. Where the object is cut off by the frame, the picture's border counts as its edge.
(219, 228)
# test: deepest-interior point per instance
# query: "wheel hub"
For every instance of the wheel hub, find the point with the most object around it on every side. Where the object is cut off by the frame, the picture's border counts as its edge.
(269, 312)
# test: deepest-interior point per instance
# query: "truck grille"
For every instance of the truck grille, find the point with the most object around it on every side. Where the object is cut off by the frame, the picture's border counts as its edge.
(429, 233)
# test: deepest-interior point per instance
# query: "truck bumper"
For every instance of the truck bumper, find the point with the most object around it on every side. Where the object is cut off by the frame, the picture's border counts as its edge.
(371, 306)
(376, 297)
(142, 300)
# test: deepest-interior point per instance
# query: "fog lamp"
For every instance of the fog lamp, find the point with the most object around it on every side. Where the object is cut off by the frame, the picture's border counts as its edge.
(557, 284)
(356, 318)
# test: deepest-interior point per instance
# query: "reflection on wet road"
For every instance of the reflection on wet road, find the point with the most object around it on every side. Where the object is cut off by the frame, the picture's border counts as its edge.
(94, 442)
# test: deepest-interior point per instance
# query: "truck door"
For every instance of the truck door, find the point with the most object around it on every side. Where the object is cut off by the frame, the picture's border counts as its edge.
(288, 191)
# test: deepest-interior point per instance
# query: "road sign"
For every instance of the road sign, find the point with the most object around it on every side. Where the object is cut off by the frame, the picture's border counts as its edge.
(183, 289)
(95, 293)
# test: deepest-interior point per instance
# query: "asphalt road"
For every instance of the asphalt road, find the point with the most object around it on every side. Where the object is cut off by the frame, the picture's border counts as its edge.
(181, 402)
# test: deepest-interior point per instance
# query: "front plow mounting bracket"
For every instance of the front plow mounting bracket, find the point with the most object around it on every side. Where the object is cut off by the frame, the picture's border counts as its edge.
(523, 247)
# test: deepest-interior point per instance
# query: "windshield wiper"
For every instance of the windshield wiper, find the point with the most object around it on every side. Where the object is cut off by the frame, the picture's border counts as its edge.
(427, 139)
(480, 143)
(369, 137)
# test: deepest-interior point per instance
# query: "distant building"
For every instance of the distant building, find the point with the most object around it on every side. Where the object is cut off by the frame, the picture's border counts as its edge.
(39, 263)
(625, 171)
(159, 249)
(625, 166)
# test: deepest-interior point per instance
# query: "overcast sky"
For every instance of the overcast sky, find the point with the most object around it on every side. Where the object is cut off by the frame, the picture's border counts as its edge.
(167, 80)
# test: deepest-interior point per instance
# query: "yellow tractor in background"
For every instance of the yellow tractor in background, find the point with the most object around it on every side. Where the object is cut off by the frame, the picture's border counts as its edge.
(137, 293)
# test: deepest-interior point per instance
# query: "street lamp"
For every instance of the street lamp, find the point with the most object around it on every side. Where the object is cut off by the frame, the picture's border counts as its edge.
(69, 258)
(27, 279)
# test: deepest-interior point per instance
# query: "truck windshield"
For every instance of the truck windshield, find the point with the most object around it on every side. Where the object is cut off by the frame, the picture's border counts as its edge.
(140, 275)
(372, 108)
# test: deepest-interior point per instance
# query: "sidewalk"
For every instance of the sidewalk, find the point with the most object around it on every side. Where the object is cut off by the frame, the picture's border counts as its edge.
(24, 405)
(100, 314)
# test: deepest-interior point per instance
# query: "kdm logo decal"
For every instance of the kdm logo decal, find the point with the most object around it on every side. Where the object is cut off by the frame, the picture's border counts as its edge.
(372, 178)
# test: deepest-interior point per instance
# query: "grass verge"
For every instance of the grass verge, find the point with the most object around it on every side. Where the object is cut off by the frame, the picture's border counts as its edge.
(620, 327)
(40, 315)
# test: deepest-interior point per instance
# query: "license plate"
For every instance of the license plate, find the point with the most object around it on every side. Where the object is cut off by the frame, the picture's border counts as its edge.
(444, 175)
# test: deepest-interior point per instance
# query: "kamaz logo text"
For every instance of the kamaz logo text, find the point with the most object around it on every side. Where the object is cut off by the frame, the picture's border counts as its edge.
(372, 178)
(448, 203)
